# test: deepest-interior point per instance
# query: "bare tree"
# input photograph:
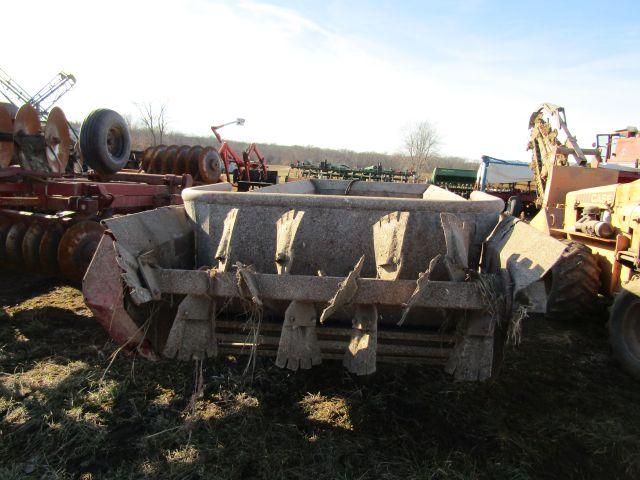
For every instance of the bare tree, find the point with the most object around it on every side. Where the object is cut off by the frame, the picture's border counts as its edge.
(161, 121)
(154, 120)
(421, 141)
(128, 118)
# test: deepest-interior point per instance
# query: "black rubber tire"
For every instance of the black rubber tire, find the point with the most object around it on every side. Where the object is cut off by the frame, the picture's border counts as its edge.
(624, 328)
(514, 206)
(575, 282)
(105, 141)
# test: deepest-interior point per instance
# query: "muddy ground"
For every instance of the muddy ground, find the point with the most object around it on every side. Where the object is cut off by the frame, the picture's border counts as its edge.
(560, 408)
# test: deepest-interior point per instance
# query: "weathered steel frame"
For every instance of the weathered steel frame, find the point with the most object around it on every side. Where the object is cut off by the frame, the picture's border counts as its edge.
(92, 194)
(228, 156)
(463, 299)
(437, 294)
(145, 275)
(252, 149)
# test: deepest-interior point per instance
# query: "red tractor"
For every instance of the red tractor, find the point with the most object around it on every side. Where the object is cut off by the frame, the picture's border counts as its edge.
(245, 171)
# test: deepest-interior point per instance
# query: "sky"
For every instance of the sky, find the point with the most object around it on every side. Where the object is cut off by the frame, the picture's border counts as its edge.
(340, 74)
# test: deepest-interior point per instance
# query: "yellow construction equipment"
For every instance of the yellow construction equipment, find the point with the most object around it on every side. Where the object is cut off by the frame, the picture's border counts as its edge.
(587, 206)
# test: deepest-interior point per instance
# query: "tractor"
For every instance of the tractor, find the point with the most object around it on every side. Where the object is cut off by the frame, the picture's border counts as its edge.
(594, 207)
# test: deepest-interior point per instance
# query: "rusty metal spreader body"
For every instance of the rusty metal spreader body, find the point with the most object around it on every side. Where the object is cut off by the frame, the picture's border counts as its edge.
(319, 269)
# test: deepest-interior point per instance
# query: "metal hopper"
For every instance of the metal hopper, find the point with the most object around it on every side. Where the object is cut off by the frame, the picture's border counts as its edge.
(312, 270)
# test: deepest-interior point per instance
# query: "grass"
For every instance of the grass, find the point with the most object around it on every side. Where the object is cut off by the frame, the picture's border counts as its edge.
(560, 408)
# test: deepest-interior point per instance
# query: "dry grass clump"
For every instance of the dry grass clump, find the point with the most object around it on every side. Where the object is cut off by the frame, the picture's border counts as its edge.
(333, 411)
(559, 409)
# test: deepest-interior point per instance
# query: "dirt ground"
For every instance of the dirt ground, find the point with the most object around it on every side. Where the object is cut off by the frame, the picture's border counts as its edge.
(560, 408)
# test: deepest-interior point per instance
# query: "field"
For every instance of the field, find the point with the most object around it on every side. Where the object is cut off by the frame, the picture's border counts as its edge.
(71, 407)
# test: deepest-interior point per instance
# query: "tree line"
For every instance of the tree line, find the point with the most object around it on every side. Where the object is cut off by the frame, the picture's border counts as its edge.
(421, 144)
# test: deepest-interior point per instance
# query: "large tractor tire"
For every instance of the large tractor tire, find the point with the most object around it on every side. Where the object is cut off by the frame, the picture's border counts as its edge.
(575, 282)
(624, 328)
(105, 141)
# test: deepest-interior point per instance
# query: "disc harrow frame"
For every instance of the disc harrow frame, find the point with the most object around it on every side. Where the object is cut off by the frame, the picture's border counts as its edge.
(50, 222)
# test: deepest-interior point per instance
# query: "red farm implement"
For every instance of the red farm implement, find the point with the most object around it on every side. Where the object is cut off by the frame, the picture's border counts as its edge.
(57, 186)
(208, 165)
(249, 171)
(50, 223)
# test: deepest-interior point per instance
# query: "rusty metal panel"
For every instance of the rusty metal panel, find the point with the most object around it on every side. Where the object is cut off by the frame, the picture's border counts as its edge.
(139, 233)
(103, 293)
(521, 249)
(627, 151)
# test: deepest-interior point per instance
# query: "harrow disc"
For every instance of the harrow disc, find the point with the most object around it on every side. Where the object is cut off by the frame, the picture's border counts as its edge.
(48, 249)
(146, 157)
(27, 133)
(192, 161)
(168, 159)
(180, 165)
(209, 168)
(154, 161)
(9, 108)
(27, 121)
(31, 246)
(7, 114)
(76, 249)
(57, 140)
(202, 163)
(5, 225)
(13, 244)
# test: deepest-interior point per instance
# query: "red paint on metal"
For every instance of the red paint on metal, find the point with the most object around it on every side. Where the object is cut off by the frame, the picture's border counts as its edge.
(126, 192)
(262, 162)
(229, 156)
(244, 164)
(103, 294)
